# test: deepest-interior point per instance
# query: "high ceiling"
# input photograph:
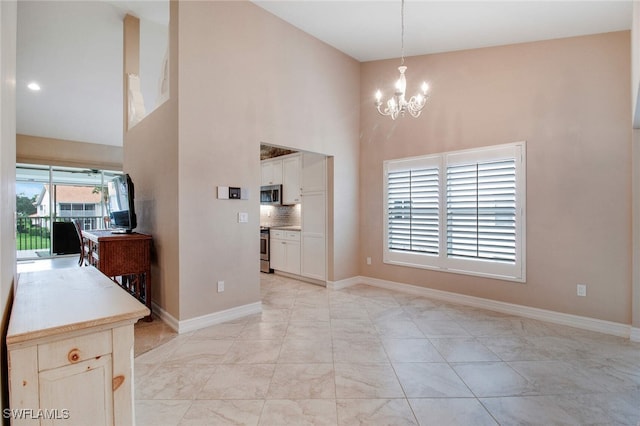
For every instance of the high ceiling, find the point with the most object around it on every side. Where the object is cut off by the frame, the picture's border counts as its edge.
(371, 30)
(73, 49)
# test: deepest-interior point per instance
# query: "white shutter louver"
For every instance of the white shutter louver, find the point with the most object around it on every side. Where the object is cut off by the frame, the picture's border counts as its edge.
(413, 210)
(481, 211)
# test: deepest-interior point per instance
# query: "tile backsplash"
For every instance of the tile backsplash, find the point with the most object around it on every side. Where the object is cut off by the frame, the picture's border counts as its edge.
(280, 215)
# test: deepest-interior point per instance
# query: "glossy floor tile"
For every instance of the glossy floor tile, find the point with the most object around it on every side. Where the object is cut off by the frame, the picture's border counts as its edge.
(370, 356)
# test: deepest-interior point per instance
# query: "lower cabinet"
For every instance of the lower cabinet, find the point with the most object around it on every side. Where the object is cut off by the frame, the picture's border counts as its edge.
(70, 350)
(285, 251)
(61, 387)
(73, 380)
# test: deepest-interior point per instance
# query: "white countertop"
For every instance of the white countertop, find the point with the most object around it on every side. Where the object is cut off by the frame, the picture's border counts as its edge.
(287, 228)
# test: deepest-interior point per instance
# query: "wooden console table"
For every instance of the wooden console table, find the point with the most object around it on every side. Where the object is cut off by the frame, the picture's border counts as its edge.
(70, 349)
(125, 258)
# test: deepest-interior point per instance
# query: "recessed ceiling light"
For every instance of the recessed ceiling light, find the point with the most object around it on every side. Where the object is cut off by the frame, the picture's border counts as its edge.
(33, 86)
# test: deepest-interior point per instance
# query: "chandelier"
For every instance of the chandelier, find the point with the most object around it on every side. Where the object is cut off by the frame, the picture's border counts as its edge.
(398, 104)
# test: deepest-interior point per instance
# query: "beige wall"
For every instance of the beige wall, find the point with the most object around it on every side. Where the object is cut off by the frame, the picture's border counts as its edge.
(635, 254)
(7, 177)
(635, 99)
(247, 77)
(570, 100)
(59, 152)
(151, 158)
(635, 65)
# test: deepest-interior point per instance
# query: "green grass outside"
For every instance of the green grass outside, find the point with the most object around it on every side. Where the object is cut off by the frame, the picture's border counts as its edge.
(32, 242)
(30, 236)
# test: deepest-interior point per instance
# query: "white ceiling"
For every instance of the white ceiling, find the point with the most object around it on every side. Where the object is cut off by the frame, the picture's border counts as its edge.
(77, 56)
(371, 30)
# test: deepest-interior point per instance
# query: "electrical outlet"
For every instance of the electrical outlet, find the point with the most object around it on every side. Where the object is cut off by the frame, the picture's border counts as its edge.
(220, 286)
(582, 290)
(368, 261)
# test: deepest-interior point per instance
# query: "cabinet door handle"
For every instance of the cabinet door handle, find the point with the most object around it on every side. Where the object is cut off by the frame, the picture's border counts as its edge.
(117, 381)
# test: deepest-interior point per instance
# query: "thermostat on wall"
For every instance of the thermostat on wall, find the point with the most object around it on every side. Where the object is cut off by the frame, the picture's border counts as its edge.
(232, 193)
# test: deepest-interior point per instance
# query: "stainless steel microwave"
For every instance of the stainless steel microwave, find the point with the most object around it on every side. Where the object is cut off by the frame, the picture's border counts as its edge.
(271, 194)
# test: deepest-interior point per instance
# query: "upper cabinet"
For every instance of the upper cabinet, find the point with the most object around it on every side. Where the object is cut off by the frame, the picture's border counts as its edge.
(313, 172)
(271, 172)
(286, 171)
(291, 193)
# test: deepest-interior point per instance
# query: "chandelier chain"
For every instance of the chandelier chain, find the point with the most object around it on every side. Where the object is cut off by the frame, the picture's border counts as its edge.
(402, 32)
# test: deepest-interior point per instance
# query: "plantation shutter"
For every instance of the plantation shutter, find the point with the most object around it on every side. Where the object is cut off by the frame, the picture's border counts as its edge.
(481, 211)
(413, 209)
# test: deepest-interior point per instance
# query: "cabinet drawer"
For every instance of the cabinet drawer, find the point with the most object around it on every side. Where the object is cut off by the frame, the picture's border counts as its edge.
(74, 350)
(282, 234)
(292, 235)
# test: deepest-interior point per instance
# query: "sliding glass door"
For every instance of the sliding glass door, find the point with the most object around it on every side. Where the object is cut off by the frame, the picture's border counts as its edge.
(49, 199)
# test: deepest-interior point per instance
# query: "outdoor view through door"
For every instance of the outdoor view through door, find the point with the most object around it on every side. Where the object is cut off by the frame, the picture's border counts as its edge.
(49, 199)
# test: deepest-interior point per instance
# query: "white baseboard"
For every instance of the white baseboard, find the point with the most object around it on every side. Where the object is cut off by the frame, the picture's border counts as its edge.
(585, 323)
(340, 284)
(192, 324)
(301, 278)
(165, 316)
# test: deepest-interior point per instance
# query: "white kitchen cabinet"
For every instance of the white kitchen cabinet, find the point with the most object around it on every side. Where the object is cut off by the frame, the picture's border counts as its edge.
(314, 174)
(271, 171)
(313, 252)
(70, 349)
(285, 251)
(291, 170)
(314, 217)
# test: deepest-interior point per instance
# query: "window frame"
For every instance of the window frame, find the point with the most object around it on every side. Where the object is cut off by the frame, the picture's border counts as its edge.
(515, 271)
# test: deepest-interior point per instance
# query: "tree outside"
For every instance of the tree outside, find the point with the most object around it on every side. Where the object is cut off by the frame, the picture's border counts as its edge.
(24, 205)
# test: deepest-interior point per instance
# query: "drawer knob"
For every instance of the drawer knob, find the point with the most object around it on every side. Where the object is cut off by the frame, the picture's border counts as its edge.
(74, 355)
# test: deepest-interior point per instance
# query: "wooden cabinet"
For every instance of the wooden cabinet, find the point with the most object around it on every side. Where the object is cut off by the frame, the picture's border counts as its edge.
(70, 349)
(285, 251)
(125, 258)
(271, 171)
(291, 168)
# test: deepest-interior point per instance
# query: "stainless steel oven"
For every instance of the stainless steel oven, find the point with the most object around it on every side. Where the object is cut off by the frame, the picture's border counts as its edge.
(264, 250)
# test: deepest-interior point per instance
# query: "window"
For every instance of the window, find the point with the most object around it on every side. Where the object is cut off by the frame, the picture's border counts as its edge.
(460, 211)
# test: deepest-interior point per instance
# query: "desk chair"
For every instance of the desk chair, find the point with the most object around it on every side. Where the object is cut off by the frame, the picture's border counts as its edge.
(84, 246)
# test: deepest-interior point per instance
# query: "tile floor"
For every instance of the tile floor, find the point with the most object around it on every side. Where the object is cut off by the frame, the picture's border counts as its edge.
(370, 356)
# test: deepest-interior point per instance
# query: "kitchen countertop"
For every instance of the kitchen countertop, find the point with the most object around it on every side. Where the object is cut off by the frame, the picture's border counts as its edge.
(287, 228)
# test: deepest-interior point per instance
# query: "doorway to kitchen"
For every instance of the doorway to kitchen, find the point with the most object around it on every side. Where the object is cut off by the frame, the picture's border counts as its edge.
(297, 221)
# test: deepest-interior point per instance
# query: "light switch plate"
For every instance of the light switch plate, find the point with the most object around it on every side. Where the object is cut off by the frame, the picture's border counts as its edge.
(243, 217)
